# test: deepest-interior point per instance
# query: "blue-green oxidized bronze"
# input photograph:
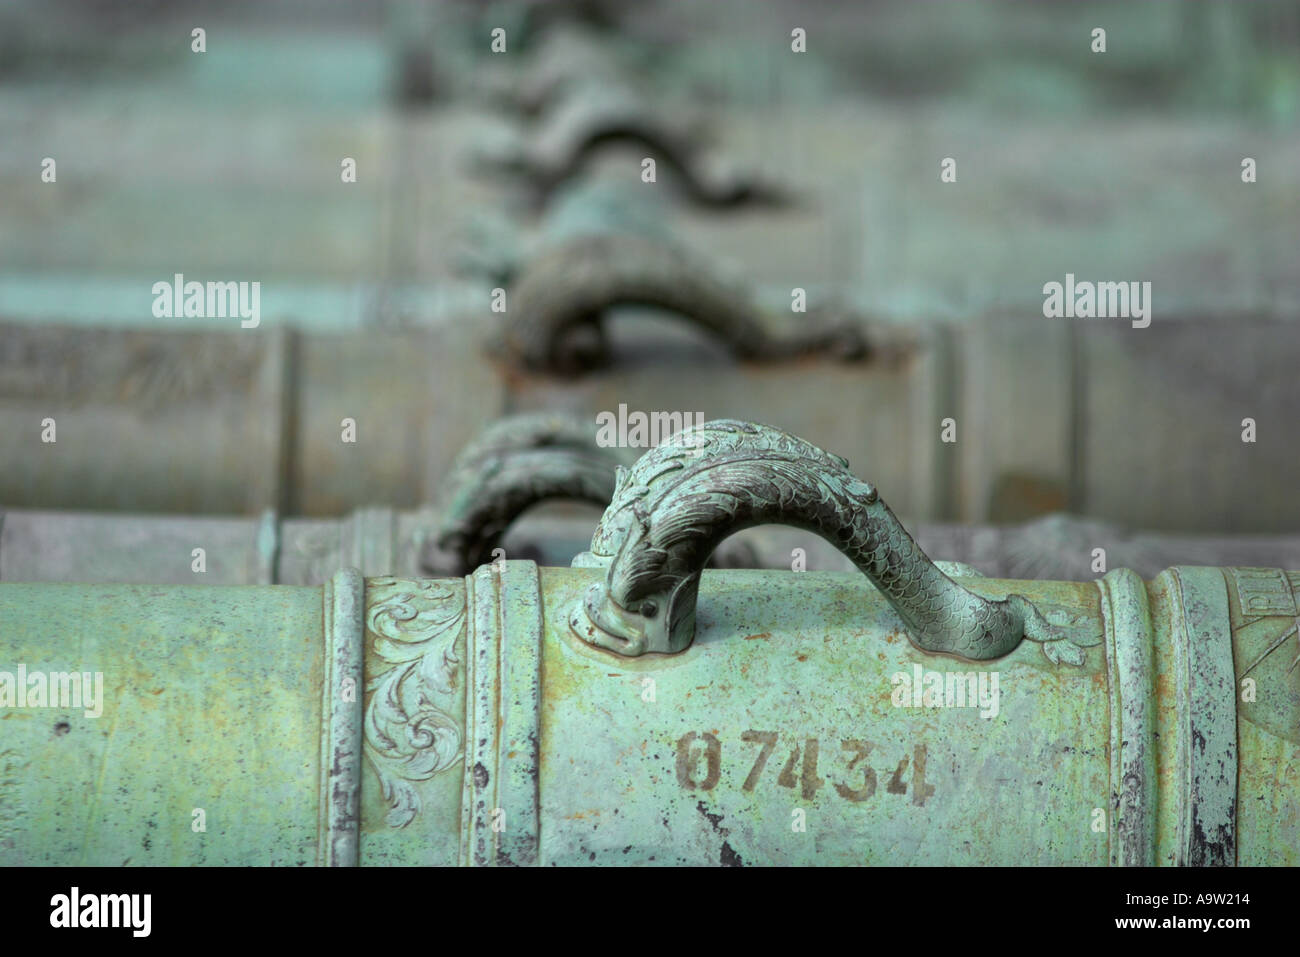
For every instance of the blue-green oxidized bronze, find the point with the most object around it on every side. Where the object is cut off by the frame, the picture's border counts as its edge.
(682, 498)
(461, 720)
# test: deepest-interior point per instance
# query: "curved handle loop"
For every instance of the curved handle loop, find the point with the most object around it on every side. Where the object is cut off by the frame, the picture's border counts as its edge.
(516, 463)
(557, 304)
(558, 148)
(686, 495)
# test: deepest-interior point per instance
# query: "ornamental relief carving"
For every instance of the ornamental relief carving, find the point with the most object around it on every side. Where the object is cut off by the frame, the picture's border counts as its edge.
(413, 673)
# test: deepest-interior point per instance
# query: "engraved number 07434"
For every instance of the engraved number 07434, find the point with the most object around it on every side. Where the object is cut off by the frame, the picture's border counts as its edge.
(858, 785)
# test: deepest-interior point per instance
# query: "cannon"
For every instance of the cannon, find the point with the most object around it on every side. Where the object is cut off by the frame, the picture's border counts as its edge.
(1095, 420)
(487, 510)
(637, 708)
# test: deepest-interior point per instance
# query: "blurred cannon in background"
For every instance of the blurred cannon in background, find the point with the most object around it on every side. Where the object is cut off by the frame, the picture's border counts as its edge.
(1141, 430)
(570, 133)
(227, 165)
(511, 493)
(142, 549)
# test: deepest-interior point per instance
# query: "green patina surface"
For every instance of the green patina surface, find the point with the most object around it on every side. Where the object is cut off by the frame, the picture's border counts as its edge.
(212, 701)
(800, 659)
(211, 704)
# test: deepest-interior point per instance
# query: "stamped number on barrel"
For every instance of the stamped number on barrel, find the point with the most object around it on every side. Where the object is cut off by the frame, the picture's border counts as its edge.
(699, 767)
(11, 810)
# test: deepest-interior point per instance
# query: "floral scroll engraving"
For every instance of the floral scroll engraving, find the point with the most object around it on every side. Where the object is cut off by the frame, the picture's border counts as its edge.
(413, 672)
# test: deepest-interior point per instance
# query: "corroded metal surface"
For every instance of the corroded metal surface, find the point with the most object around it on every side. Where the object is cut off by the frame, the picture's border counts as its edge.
(781, 710)
(492, 732)
(493, 736)
(382, 717)
(1207, 727)
(340, 756)
(681, 499)
(208, 748)
(1130, 677)
(501, 810)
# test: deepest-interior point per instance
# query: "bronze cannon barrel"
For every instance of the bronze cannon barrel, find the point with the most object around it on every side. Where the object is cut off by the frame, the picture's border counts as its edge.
(40, 546)
(638, 708)
(997, 421)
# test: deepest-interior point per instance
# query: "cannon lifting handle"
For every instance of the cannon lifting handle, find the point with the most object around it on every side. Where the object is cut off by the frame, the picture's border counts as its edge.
(682, 498)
